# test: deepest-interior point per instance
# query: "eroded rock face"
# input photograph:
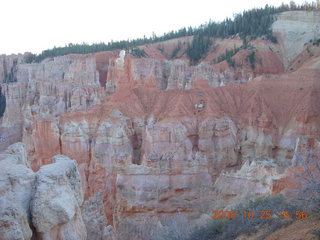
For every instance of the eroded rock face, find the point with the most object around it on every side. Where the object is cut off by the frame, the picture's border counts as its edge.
(43, 205)
(46, 90)
(296, 29)
(96, 223)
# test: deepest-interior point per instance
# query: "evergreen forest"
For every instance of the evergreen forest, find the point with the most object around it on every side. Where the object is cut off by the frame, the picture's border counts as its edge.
(250, 24)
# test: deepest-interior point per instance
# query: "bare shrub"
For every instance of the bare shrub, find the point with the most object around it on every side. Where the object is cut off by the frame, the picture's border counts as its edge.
(170, 228)
(130, 230)
(308, 193)
(174, 228)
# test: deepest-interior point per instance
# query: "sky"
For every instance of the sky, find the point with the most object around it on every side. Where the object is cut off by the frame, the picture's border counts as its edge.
(36, 25)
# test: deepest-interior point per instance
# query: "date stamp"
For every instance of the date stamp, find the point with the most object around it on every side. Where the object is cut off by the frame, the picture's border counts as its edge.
(264, 215)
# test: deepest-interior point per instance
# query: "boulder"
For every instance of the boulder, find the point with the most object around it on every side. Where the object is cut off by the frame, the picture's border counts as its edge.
(55, 206)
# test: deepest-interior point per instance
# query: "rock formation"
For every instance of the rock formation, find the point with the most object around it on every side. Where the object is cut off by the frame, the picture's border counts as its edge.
(55, 206)
(17, 182)
(154, 136)
(43, 205)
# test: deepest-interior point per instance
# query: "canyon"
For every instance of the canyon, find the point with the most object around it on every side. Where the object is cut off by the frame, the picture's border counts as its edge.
(154, 137)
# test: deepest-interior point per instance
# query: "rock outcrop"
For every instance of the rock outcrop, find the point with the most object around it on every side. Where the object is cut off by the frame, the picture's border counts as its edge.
(55, 206)
(17, 183)
(44, 205)
(94, 218)
(295, 30)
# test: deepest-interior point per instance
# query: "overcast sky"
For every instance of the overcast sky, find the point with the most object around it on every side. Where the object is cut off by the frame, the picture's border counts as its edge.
(36, 25)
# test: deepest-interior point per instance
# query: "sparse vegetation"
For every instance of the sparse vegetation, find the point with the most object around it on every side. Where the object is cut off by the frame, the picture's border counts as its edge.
(309, 190)
(173, 228)
(252, 59)
(221, 229)
(137, 52)
(176, 228)
(129, 230)
(228, 57)
(176, 50)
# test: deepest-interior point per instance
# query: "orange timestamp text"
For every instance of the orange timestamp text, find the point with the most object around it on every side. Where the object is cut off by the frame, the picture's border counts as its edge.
(261, 214)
